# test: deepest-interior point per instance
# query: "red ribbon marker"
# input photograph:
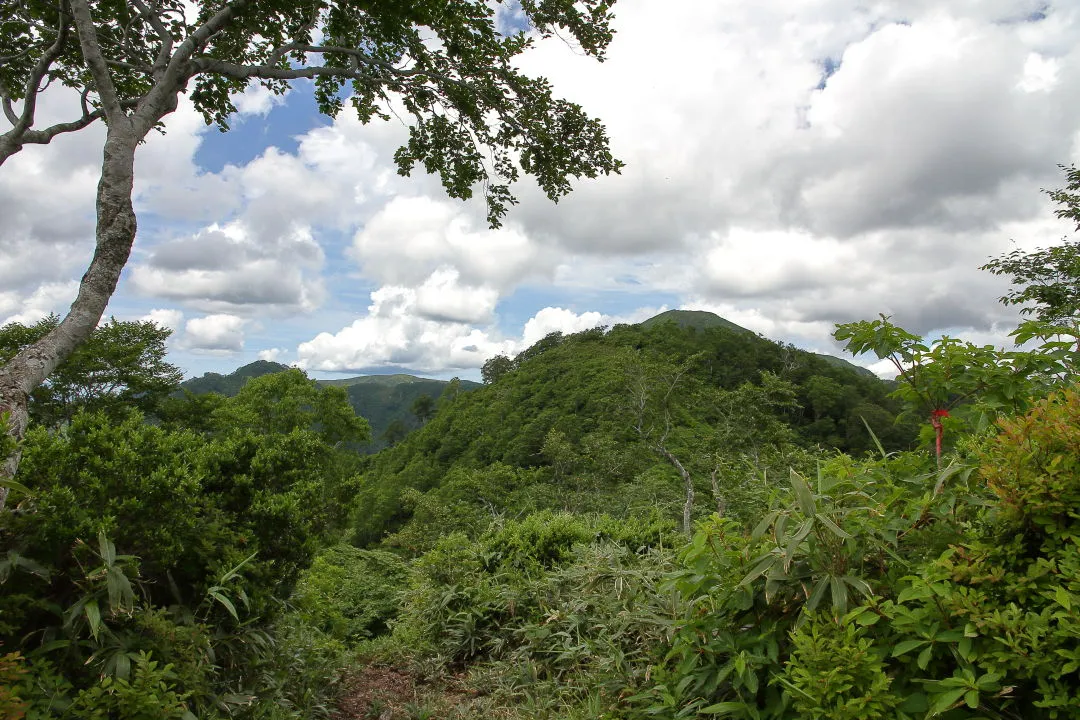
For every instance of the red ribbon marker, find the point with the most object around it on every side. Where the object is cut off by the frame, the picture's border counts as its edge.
(935, 421)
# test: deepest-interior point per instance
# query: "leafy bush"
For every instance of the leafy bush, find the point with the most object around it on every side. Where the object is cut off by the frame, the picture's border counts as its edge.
(836, 673)
(350, 594)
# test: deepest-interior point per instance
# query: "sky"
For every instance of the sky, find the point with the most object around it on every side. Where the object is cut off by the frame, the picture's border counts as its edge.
(789, 166)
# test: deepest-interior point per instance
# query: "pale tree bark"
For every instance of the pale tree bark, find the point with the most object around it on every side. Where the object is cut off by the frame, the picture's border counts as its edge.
(721, 503)
(114, 235)
(688, 484)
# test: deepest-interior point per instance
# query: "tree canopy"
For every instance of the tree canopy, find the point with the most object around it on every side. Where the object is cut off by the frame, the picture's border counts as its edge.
(121, 364)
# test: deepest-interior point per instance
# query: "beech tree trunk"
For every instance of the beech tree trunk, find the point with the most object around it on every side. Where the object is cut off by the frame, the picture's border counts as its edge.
(688, 482)
(115, 234)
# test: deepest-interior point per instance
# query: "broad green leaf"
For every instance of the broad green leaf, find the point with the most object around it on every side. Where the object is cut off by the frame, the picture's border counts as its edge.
(839, 594)
(17, 487)
(724, 708)
(945, 701)
(803, 494)
(924, 657)
(226, 602)
(762, 527)
(106, 548)
(793, 544)
(762, 565)
(906, 646)
(832, 527)
(93, 617)
(1063, 598)
(817, 594)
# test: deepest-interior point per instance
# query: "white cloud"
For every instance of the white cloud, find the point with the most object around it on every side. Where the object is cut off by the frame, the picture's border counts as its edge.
(411, 237)
(221, 333)
(257, 100)
(164, 317)
(272, 354)
(556, 319)
(395, 334)
(47, 298)
(442, 297)
(230, 268)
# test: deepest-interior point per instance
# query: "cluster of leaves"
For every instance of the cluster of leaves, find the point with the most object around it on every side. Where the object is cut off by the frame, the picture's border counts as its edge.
(214, 525)
(875, 593)
(121, 365)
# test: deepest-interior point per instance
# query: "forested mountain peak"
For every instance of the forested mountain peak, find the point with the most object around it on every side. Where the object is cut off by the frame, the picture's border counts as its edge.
(602, 408)
(697, 319)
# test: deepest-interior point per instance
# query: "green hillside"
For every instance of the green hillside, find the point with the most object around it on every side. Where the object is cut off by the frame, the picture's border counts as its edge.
(383, 400)
(696, 319)
(229, 385)
(382, 380)
(572, 421)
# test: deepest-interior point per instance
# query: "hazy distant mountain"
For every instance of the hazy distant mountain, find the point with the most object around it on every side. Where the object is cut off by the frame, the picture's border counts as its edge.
(381, 399)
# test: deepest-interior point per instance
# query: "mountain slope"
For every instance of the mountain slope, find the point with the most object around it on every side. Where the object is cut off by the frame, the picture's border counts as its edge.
(696, 319)
(560, 428)
(381, 399)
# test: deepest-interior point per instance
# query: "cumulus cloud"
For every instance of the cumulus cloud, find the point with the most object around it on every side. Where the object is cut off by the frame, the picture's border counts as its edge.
(47, 298)
(442, 297)
(410, 237)
(557, 319)
(395, 334)
(272, 354)
(165, 317)
(227, 267)
(216, 334)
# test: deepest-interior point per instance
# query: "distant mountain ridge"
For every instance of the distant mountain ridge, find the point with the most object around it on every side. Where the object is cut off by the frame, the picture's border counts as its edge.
(380, 399)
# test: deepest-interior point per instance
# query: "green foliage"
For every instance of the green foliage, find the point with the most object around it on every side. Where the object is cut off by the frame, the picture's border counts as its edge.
(12, 673)
(566, 414)
(379, 399)
(284, 402)
(1048, 279)
(495, 367)
(950, 374)
(835, 673)
(423, 407)
(468, 598)
(121, 365)
(149, 693)
(350, 594)
(395, 432)
(212, 530)
(1033, 468)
